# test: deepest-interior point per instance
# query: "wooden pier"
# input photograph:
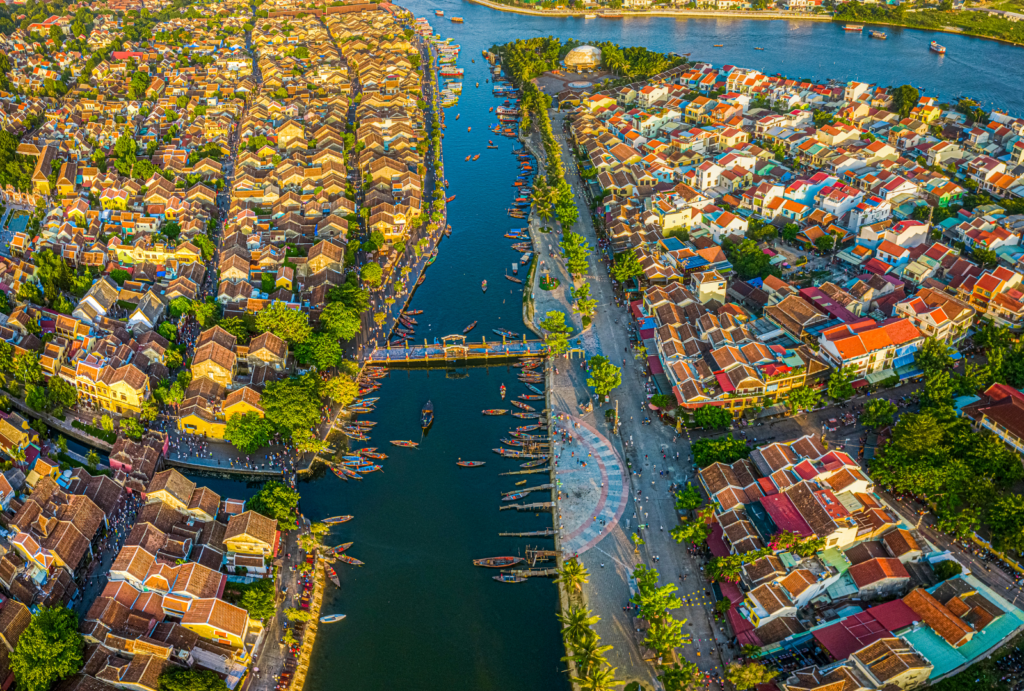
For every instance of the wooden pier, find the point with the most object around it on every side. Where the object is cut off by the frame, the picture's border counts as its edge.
(452, 349)
(527, 472)
(527, 489)
(537, 506)
(548, 532)
(530, 573)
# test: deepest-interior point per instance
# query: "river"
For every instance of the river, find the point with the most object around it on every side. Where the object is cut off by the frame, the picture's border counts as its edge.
(420, 616)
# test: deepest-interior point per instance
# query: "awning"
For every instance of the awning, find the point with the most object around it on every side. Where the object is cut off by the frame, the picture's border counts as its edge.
(724, 382)
(904, 361)
(956, 355)
(880, 375)
(654, 362)
(860, 383)
(909, 371)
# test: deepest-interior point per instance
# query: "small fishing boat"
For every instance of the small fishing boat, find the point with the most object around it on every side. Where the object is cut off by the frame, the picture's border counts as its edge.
(341, 548)
(528, 428)
(457, 20)
(514, 279)
(427, 415)
(523, 406)
(756, 48)
(375, 455)
(512, 496)
(476, 156)
(498, 562)
(469, 129)
(468, 157)
(334, 520)
(513, 442)
(880, 35)
(506, 333)
(492, 146)
(502, 390)
(457, 115)
(470, 464)
(439, 13)
(531, 397)
(411, 313)
(369, 468)
(406, 444)
(521, 483)
(469, 328)
(495, 411)
(941, 50)
(535, 389)
(349, 560)
(332, 575)
(483, 286)
(533, 464)
(450, 199)
(528, 416)
(491, 109)
(510, 578)
(331, 618)
(719, 45)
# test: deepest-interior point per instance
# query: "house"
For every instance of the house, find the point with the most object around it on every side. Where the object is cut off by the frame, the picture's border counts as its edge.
(1000, 410)
(218, 621)
(97, 301)
(880, 577)
(215, 356)
(268, 350)
(171, 488)
(251, 540)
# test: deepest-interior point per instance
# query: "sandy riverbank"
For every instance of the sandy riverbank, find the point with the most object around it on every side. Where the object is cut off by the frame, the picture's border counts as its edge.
(622, 14)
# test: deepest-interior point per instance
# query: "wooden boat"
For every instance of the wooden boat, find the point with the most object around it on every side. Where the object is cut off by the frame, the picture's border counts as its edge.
(457, 115)
(411, 313)
(427, 415)
(469, 328)
(331, 618)
(329, 570)
(406, 444)
(533, 464)
(502, 392)
(491, 109)
(514, 279)
(858, 28)
(468, 157)
(524, 406)
(510, 578)
(498, 562)
(450, 199)
(469, 129)
(513, 442)
(495, 411)
(528, 428)
(506, 333)
(534, 389)
(375, 455)
(531, 397)
(476, 156)
(521, 483)
(341, 548)
(512, 496)
(334, 520)
(528, 416)
(349, 560)
(880, 35)
(369, 468)
(529, 437)
(719, 45)
(470, 464)
(941, 50)
(492, 146)
(483, 286)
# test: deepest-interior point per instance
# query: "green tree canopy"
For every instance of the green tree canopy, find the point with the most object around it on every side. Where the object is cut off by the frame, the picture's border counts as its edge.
(712, 417)
(178, 679)
(904, 98)
(49, 650)
(878, 413)
(293, 403)
(371, 273)
(340, 321)
(556, 338)
(275, 500)
(604, 376)
(749, 675)
(249, 432)
(720, 450)
(840, 384)
(282, 321)
(626, 266)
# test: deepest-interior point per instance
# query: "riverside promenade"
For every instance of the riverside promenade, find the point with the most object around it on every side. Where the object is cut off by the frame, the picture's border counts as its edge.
(622, 13)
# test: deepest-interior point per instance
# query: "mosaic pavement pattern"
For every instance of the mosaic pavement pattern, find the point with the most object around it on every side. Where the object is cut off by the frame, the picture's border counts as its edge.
(592, 497)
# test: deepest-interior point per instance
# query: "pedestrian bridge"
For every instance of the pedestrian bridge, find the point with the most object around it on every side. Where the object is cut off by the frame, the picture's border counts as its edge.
(451, 349)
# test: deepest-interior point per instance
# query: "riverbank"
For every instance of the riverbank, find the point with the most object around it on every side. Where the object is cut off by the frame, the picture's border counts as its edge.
(623, 14)
(947, 28)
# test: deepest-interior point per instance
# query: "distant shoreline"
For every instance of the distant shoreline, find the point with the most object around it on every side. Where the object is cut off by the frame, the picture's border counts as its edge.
(735, 14)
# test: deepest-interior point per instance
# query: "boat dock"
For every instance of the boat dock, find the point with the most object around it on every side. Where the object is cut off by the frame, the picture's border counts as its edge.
(455, 349)
(527, 472)
(548, 532)
(531, 573)
(537, 506)
(528, 489)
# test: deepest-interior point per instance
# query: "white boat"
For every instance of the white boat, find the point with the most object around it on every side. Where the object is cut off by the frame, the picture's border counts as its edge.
(331, 618)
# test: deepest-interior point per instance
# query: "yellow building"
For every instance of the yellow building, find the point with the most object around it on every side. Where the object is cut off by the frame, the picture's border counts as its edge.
(120, 390)
(217, 621)
(15, 433)
(171, 488)
(251, 534)
(199, 414)
(215, 356)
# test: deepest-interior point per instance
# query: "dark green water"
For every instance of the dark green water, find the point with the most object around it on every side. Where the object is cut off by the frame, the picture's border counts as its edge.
(420, 615)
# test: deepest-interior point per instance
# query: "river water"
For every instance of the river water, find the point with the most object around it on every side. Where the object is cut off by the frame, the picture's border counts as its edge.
(420, 616)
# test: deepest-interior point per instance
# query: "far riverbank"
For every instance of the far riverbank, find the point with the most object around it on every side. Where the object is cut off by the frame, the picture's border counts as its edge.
(736, 14)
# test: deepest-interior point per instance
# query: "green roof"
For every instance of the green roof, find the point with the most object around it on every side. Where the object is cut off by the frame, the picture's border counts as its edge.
(836, 559)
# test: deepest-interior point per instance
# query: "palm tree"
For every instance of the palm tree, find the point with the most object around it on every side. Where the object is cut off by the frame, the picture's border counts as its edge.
(588, 654)
(573, 574)
(599, 680)
(665, 636)
(577, 622)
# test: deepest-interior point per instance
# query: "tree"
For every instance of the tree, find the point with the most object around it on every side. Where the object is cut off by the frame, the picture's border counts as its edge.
(322, 351)
(258, 599)
(61, 394)
(840, 384)
(749, 675)
(682, 676)
(277, 501)
(878, 413)
(584, 303)
(602, 679)
(49, 649)
(689, 498)
(107, 423)
(947, 568)
(339, 321)
(341, 389)
(576, 252)
(588, 654)
(626, 266)
(721, 450)
(168, 330)
(284, 322)
(798, 544)
(301, 615)
(236, 327)
(557, 333)
(1006, 520)
(934, 356)
(904, 98)
(748, 259)
(665, 635)
(27, 369)
(293, 403)
(576, 623)
(307, 442)
(371, 273)
(803, 398)
(178, 679)
(249, 432)
(573, 574)
(664, 402)
(712, 417)
(825, 243)
(131, 428)
(604, 376)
